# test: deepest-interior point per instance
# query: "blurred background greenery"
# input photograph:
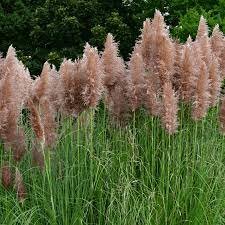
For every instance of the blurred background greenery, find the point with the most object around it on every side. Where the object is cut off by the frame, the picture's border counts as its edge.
(53, 29)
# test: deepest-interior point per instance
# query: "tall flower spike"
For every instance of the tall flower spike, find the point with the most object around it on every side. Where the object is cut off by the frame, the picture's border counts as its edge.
(202, 96)
(41, 83)
(137, 73)
(176, 81)
(218, 48)
(146, 40)
(166, 61)
(215, 82)
(202, 28)
(188, 77)
(117, 82)
(217, 42)
(73, 80)
(54, 90)
(94, 87)
(170, 109)
(203, 42)
(158, 51)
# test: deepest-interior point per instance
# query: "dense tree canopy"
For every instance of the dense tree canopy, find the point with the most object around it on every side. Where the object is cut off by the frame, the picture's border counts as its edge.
(53, 29)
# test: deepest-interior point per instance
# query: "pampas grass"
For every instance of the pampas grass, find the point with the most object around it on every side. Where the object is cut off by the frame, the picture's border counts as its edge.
(112, 164)
(140, 173)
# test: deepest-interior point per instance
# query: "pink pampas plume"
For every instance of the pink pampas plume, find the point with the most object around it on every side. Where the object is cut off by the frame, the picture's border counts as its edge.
(188, 74)
(203, 41)
(41, 84)
(176, 81)
(137, 74)
(202, 96)
(217, 42)
(158, 51)
(170, 109)
(218, 48)
(215, 82)
(94, 86)
(152, 101)
(202, 29)
(73, 81)
(15, 89)
(146, 42)
(117, 82)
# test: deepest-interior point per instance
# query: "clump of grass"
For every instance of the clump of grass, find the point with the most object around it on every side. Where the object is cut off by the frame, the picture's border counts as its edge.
(132, 173)
(139, 175)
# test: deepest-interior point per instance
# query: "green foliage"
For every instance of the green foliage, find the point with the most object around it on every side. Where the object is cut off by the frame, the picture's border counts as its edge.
(102, 175)
(42, 27)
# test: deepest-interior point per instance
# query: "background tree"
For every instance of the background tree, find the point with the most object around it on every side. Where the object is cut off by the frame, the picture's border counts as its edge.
(53, 29)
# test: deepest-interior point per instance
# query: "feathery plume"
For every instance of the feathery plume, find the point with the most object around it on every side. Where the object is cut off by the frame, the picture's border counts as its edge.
(188, 76)
(152, 101)
(215, 82)
(202, 29)
(137, 73)
(158, 50)
(94, 87)
(73, 81)
(146, 42)
(117, 82)
(201, 98)
(217, 42)
(176, 81)
(170, 109)
(41, 83)
(203, 42)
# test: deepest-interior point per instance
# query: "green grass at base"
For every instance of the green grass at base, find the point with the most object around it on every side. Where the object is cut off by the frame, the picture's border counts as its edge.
(102, 174)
